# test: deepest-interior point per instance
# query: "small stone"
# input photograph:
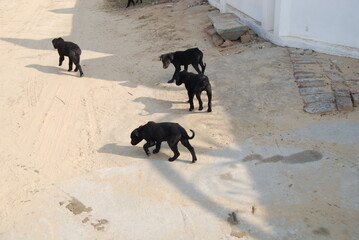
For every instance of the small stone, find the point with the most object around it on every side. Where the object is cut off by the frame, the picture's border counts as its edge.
(304, 61)
(335, 77)
(308, 51)
(315, 83)
(342, 93)
(296, 50)
(339, 86)
(217, 40)
(227, 43)
(302, 57)
(355, 98)
(210, 30)
(344, 104)
(312, 90)
(299, 67)
(322, 97)
(309, 79)
(245, 38)
(251, 32)
(306, 74)
(320, 107)
(354, 90)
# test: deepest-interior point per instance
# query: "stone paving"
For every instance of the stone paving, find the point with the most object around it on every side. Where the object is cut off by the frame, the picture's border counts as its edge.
(321, 84)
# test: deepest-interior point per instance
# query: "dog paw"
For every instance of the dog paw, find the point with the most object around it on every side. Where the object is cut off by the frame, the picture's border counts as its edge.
(200, 109)
(171, 159)
(148, 153)
(69, 70)
(155, 151)
(81, 74)
(194, 160)
(209, 110)
(75, 70)
(170, 81)
(191, 109)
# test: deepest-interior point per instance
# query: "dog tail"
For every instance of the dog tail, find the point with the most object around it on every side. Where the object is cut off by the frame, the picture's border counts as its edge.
(203, 68)
(192, 135)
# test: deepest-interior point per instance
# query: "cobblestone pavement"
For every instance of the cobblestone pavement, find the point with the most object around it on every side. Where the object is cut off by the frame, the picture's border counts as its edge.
(322, 84)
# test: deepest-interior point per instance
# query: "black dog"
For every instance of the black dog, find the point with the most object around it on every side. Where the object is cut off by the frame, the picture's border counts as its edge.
(191, 56)
(155, 133)
(70, 50)
(131, 1)
(195, 84)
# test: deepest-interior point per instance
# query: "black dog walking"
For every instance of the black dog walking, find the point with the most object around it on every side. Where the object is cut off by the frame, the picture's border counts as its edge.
(195, 85)
(192, 56)
(156, 133)
(70, 50)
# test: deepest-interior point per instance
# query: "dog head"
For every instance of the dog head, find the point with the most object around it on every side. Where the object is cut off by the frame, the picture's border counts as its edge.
(136, 136)
(166, 59)
(181, 77)
(56, 42)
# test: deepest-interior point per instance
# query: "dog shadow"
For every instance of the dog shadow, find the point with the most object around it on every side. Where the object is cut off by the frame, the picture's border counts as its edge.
(153, 105)
(63, 10)
(135, 152)
(50, 69)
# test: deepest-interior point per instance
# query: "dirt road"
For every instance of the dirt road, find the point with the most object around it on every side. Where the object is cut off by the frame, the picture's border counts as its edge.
(68, 170)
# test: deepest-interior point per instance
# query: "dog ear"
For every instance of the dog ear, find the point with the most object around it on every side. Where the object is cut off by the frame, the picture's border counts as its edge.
(161, 57)
(171, 56)
(136, 133)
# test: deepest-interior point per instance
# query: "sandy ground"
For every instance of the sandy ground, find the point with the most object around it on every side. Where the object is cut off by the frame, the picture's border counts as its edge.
(68, 170)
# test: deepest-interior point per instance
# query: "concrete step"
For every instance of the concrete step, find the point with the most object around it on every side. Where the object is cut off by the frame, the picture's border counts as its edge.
(228, 25)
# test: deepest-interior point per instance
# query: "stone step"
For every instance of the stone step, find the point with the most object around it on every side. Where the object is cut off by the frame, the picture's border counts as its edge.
(228, 25)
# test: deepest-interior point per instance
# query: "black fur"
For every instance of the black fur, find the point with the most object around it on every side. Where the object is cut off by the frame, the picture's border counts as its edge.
(131, 1)
(195, 84)
(156, 133)
(192, 56)
(68, 49)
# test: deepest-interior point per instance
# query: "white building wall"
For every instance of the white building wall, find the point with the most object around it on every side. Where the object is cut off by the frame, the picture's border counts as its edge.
(329, 21)
(252, 8)
(328, 26)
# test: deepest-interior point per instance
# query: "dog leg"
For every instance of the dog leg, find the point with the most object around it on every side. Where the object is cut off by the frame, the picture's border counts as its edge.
(203, 66)
(70, 64)
(190, 148)
(129, 2)
(178, 69)
(195, 66)
(146, 146)
(76, 60)
(198, 95)
(190, 100)
(158, 147)
(174, 148)
(80, 69)
(209, 95)
(62, 58)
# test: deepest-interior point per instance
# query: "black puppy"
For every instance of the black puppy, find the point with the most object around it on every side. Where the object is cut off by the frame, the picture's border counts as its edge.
(131, 1)
(192, 56)
(156, 133)
(68, 49)
(195, 84)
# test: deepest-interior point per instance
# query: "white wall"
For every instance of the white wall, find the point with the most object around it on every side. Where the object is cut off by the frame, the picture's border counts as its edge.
(329, 26)
(331, 21)
(252, 8)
